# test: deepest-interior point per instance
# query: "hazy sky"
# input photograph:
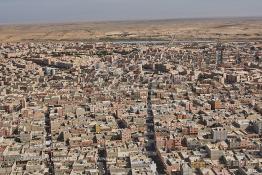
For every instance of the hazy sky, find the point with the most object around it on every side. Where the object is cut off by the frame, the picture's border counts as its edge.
(44, 11)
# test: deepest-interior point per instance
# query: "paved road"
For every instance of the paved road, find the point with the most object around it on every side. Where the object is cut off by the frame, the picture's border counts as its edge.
(101, 162)
(49, 145)
(151, 147)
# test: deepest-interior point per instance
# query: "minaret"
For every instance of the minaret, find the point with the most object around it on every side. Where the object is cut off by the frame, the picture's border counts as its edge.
(219, 54)
(23, 103)
(238, 58)
(257, 59)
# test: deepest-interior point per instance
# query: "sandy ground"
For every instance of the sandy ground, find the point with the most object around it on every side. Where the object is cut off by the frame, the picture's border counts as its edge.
(224, 29)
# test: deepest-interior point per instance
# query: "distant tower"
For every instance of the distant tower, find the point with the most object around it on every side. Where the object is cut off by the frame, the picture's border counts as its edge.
(257, 59)
(219, 56)
(238, 58)
(23, 103)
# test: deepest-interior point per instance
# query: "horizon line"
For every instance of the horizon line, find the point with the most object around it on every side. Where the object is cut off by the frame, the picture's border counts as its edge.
(130, 20)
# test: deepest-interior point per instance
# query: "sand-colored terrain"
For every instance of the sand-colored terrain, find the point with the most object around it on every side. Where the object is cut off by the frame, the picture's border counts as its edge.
(228, 29)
